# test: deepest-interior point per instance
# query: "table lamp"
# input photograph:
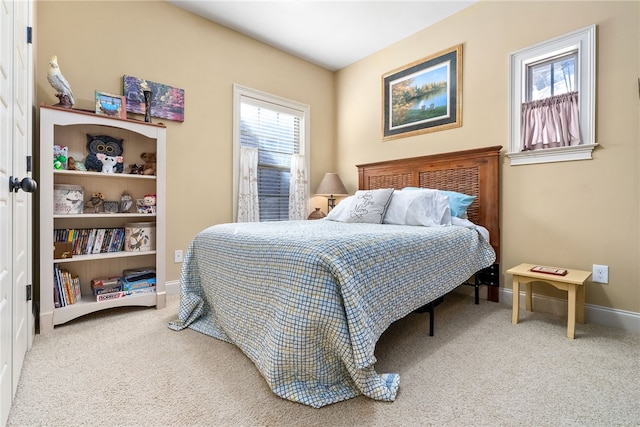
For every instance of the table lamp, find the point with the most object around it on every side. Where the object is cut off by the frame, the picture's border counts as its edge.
(331, 185)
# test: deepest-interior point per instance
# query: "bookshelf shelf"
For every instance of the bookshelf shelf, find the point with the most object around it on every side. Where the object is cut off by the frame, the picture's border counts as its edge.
(68, 127)
(103, 256)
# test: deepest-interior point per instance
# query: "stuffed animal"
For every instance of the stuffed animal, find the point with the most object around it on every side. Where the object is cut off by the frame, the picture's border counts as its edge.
(136, 169)
(106, 145)
(109, 163)
(149, 166)
(75, 165)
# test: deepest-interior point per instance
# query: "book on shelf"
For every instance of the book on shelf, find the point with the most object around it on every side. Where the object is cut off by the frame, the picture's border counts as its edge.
(92, 240)
(66, 287)
(99, 238)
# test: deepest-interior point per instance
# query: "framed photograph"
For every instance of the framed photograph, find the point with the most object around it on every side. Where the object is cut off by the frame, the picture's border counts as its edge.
(108, 104)
(424, 96)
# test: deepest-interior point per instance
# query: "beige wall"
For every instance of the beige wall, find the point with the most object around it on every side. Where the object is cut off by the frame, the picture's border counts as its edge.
(571, 214)
(99, 42)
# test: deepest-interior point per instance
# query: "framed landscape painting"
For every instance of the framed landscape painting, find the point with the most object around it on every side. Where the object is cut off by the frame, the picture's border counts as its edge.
(424, 96)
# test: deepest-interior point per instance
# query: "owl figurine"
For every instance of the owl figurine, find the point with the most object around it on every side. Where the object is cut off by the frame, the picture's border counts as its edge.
(125, 203)
(95, 201)
(105, 145)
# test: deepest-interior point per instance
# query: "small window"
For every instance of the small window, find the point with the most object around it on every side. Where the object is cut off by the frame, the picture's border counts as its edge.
(558, 69)
(277, 128)
(551, 77)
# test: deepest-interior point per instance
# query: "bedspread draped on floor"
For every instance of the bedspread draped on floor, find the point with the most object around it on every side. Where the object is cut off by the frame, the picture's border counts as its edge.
(306, 301)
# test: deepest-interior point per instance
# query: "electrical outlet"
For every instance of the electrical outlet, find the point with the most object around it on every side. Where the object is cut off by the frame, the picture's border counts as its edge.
(600, 273)
(177, 256)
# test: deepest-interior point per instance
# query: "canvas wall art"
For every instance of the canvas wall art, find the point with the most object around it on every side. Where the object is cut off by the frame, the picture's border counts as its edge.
(167, 102)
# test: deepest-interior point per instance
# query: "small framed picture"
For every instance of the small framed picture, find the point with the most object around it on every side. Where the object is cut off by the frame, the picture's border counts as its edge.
(108, 104)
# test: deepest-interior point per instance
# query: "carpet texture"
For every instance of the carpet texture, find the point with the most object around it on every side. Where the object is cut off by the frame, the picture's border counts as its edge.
(124, 367)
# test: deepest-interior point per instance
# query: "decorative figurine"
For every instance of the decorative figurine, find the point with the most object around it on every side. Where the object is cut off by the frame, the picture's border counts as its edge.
(147, 204)
(147, 101)
(75, 165)
(125, 203)
(136, 169)
(95, 201)
(60, 84)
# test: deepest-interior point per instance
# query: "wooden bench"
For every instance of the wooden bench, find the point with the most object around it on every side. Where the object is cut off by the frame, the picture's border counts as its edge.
(572, 282)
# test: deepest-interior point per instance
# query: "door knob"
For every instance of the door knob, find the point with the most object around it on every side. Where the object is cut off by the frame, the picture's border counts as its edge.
(27, 184)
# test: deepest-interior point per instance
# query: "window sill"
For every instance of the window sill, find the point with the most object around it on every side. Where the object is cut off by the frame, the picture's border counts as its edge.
(550, 155)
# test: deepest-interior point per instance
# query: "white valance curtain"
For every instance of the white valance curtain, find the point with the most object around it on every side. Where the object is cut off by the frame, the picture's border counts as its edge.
(550, 122)
(248, 207)
(298, 188)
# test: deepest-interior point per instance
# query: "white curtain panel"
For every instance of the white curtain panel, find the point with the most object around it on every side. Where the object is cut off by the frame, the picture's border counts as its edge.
(550, 122)
(248, 207)
(298, 188)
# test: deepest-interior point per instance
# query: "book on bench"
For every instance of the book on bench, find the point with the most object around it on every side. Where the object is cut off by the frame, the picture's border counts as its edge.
(549, 270)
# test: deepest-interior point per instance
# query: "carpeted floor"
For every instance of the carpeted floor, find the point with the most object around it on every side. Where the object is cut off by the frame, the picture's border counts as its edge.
(124, 367)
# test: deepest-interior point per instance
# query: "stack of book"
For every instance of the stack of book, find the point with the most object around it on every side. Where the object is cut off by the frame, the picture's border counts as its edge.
(66, 287)
(133, 282)
(91, 240)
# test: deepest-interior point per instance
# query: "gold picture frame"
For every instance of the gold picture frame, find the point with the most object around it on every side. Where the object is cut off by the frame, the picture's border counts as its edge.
(424, 96)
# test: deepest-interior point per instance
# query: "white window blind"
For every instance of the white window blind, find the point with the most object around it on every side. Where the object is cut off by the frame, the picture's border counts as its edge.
(275, 130)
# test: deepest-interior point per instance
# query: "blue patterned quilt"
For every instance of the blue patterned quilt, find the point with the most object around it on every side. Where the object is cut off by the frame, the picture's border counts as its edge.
(306, 301)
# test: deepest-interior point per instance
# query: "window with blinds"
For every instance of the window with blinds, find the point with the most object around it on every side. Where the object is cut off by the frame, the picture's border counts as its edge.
(277, 131)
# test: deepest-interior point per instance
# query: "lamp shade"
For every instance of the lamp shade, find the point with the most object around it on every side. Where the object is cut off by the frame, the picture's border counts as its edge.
(331, 185)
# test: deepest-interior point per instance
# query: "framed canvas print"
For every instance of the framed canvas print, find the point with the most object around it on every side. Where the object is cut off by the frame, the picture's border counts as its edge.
(424, 96)
(166, 101)
(108, 104)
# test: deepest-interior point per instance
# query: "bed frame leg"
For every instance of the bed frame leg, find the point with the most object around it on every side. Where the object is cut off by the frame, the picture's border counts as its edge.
(430, 308)
(431, 317)
(476, 283)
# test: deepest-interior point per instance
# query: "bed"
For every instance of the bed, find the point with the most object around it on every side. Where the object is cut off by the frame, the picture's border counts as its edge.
(306, 301)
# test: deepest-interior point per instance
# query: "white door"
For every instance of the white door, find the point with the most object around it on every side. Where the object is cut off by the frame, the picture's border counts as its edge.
(6, 209)
(15, 207)
(22, 221)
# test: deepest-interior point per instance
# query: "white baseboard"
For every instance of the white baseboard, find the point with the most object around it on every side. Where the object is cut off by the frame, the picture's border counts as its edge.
(172, 287)
(626, 320)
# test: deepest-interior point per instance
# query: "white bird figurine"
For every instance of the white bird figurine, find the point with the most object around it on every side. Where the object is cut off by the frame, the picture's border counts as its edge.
(60, 84)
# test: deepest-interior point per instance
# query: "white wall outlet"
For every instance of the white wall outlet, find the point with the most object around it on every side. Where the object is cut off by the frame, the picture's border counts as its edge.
(177, 256)
(600, 273)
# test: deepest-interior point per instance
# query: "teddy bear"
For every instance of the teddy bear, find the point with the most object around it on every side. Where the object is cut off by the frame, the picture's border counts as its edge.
(149, 166)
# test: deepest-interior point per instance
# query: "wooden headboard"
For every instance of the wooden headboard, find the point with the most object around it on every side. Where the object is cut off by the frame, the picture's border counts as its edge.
(473, 172)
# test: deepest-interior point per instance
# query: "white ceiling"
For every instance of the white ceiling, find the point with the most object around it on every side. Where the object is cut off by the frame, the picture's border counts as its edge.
(332, 34)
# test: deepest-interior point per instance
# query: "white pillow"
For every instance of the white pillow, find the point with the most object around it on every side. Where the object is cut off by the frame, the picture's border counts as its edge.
(424, 207)
(369, 206)
(341, 211)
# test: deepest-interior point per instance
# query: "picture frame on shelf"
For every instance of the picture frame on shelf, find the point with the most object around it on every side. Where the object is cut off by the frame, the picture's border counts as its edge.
(424, 96)
(108, 104)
